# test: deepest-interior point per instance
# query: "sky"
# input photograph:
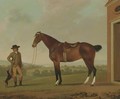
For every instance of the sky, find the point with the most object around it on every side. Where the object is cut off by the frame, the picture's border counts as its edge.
(65, 20)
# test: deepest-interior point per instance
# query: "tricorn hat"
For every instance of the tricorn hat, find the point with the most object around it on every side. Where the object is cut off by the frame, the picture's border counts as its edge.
(15, 46)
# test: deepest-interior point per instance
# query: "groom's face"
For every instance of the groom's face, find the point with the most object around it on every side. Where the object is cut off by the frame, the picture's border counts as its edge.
(15, 50)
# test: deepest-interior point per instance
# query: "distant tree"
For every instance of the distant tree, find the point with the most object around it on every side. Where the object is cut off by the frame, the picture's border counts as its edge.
(52, 72)
(67, 70)
(24, 72)
(45, 73)
(3, 71)
(36, 72)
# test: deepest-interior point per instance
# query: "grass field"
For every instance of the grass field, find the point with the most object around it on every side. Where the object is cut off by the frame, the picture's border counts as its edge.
(47, 82)
(43, 87)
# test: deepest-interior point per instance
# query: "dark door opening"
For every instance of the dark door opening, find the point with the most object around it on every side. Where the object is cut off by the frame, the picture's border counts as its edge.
(116, 54)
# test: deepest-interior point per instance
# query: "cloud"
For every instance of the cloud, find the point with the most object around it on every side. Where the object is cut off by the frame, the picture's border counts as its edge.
(78, 18)
(15, 28)
(56, 6)
(17, 16)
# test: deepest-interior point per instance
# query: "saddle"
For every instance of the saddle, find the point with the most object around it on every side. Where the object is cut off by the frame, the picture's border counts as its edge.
(67, 46)
(70, 45)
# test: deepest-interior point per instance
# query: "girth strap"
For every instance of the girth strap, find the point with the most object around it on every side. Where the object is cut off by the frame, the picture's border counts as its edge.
(65, 56)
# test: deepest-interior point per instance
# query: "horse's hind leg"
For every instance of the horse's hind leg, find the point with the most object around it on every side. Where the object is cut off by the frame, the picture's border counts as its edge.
(94, 76)
(91, 69)
(88, 54)
(88, 77)
(89, 61)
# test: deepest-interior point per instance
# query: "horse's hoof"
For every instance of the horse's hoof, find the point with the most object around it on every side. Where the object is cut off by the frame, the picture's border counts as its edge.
(57, 82)
(92, 85)
(60, 83)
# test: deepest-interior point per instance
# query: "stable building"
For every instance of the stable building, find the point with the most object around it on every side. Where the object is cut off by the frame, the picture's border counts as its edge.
(113, 41)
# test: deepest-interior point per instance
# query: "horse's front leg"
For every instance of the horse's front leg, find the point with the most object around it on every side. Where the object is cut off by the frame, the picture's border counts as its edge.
(57, 73)
(58, 78)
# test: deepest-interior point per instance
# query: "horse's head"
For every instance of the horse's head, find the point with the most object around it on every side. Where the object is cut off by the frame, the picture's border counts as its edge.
(37, 39)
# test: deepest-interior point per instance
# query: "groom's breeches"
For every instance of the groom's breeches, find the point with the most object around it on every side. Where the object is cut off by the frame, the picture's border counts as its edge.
(17, 70)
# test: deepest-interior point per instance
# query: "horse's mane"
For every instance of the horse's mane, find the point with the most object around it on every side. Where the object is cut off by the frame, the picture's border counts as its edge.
(51, 38)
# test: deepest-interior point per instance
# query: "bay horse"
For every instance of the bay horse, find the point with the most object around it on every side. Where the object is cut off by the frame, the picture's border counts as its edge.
(67, 52)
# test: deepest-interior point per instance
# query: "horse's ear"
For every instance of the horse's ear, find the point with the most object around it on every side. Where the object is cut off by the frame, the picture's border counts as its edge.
(38, 32)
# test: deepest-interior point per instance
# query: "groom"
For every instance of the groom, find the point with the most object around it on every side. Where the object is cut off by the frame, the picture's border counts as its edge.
(16, 66)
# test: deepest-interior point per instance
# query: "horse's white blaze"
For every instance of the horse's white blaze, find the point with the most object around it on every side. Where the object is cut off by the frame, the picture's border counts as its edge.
(93, 81)
(87, 79)
(57, 82)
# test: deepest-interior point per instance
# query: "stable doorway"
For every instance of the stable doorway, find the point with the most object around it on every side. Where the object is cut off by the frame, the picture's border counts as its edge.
(116, 51)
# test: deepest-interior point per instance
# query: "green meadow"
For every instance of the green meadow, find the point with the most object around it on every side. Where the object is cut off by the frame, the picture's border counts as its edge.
(41, 78)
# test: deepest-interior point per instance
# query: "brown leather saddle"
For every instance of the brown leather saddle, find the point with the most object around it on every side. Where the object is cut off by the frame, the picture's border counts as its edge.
(67, 46)
(70, 45)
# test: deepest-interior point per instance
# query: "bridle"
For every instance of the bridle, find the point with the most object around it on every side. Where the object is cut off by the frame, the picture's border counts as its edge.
(34, 56)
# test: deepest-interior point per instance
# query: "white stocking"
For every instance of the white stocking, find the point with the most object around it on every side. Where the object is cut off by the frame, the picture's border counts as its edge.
(94, 78)
(57, 83)
(87, 79)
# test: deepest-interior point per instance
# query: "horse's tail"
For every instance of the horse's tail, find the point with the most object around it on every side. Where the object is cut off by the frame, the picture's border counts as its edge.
(97, 47)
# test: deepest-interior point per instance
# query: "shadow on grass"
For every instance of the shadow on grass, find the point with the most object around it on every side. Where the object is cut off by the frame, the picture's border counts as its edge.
(72, 84)
(32, 84)
(105, 84)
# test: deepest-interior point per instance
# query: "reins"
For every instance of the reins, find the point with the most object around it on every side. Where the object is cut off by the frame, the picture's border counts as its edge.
(34, 56)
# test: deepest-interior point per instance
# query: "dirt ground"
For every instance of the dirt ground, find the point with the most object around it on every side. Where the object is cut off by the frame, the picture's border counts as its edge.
(69, 91)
